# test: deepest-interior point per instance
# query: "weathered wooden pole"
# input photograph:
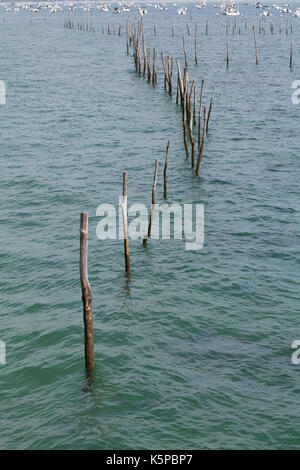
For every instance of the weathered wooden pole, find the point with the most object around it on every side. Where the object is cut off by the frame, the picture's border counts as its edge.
(154, 74)
(291, 56)
(165, 170)
(86, 295)
(180, 82)
(184, 112)
(227, 54)
(194, 107)
(153, 205)
(184, 52)
(200, 112)
(255, 45)
(202, 144)
(144, 57)
(210, 108)
(196, 57)
(125, 224)
(191, 128)
(149, 64)
(127, 37)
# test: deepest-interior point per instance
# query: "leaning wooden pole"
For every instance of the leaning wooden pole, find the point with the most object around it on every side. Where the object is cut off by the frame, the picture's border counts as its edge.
(153, 205)
(210, 108)
(86, 295)
(125, 224)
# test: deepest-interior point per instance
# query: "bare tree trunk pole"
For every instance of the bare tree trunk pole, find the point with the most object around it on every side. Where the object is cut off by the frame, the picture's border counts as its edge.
(255, 45)
(200, 112)
(165, 170)
(196, 58)
(125, 224)
(153, 205)
(210, 108)
(86, 295)
(180, 82)
(184, 114)
(191, 130)
(184, 52)
(202, 144)
(227, 54)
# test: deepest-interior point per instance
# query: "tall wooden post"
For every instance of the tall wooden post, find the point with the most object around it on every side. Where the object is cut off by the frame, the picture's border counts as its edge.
(153, 205)
(196, 57)
(86, 295)
(202, 144)
(255, 45)
(125, 224)
(165, 170)
(227, 55)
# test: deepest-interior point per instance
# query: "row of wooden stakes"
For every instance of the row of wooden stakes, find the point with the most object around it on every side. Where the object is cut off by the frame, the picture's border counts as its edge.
(185, 92)
(85, 285)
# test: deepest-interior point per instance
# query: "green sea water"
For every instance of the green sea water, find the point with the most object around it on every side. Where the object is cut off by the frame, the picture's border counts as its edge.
(195, 350)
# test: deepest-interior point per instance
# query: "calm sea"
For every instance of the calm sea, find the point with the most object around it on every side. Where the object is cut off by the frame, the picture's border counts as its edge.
(195, 351)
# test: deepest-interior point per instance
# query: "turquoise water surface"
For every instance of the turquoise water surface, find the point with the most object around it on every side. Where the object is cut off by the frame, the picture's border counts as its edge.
(195, 350)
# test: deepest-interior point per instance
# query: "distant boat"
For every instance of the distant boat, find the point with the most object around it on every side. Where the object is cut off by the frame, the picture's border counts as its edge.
(181, 11)
(142, 11)
(297, 13)
(232, 12)
(230, 9)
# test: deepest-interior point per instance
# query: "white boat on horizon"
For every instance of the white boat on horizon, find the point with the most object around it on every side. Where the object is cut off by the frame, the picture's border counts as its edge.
(181, 11)
(297, 13)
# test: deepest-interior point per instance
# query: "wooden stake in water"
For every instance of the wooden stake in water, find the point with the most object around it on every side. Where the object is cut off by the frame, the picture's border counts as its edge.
(125, 224)
(154, 74)
(191, 128)
(210, 108)
(153, 205)
(180, 83)
(86, 295)
(202, 144)
(227, 55)
(184, 113)
(184, 52)
(200, 112)
(196, 58)
(165, 170)
(255, 45)
(291, 56)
